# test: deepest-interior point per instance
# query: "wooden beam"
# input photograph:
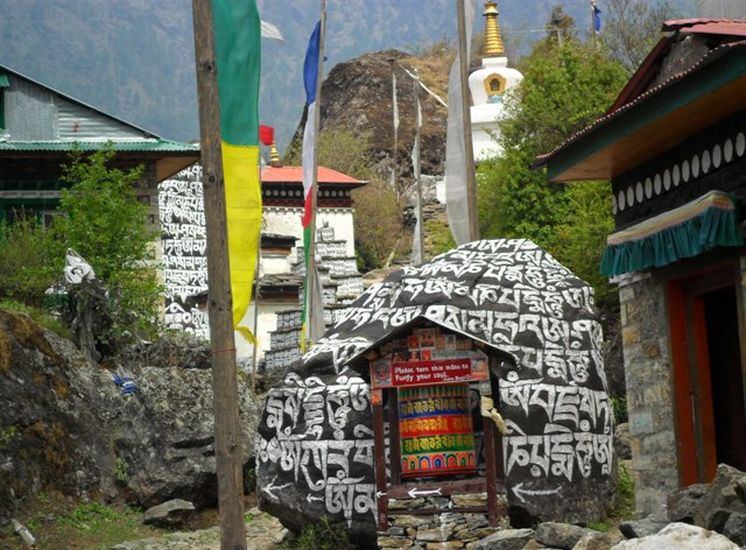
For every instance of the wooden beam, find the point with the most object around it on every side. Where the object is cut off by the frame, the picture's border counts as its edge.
(655, 125)
(471, 185)
(222, 344)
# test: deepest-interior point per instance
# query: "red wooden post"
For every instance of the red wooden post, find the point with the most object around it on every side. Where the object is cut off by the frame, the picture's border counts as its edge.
(379, 448)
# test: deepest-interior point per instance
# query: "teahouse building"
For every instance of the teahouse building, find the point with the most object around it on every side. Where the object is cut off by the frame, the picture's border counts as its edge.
(674, 146)
(41, 126)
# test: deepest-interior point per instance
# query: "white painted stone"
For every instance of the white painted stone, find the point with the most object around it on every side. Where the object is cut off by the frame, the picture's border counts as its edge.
(680, 536)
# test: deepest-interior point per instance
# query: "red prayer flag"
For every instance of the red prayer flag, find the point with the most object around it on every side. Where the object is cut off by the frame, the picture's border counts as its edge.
(266, 134)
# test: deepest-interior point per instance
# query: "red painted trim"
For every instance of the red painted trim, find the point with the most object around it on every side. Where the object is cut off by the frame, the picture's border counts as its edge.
(685, 433)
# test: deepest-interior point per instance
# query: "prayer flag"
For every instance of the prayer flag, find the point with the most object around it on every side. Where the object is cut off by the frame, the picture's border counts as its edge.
(457, 206)
(238, 58)
(313, 306)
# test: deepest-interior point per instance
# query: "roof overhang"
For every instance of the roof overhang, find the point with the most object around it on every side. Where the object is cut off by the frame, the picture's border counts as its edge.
(657, 121)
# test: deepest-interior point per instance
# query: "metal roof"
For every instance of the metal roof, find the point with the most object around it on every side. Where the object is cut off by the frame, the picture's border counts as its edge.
(6, 68)
(294, 174)
(723, 27)
(585, 134)
(150, 146)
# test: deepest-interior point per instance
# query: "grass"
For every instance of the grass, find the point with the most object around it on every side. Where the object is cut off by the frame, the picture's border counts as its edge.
(56, 522)
(318, 536)
(41, 316)
(624, 503)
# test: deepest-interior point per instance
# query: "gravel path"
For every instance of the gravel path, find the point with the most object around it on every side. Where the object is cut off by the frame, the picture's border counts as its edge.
(262, 531)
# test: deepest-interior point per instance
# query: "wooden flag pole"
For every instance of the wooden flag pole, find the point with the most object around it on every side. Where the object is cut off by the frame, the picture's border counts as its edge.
(222, 344)
(418, 169)
(471, 186)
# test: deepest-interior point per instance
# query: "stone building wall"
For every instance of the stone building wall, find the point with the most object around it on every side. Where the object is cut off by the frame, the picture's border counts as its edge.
(648, 373)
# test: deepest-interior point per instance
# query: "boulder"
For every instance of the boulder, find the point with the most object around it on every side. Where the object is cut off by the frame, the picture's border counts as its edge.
(315, 444)
(724, 497)
(680, 536)
(735, 528)
(683, 503)
(646, 526)
(560, 535)
(598, 541)
(508, 539)
(68, 426)
(172, 513)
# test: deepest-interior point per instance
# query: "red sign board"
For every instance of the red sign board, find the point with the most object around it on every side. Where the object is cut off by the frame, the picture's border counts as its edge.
(438, 371)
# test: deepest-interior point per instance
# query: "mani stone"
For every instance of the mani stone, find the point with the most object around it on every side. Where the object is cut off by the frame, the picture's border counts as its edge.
(679, 536)
(560, 535)
(509, 539)
(171, 513)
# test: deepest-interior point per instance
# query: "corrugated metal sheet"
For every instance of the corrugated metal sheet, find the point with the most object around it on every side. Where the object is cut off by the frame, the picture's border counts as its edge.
(724, 27)
(77, 122)
(160, 145)
(29, 111)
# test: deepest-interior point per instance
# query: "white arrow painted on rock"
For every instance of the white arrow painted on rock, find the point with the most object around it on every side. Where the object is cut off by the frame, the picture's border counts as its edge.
(272, 487)
(310, 498)
(379, 494)
(529, 492)
(414, 493)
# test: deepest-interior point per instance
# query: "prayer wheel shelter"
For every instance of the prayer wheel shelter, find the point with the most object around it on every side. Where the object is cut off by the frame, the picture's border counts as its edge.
(432, 394)
(498, 318)
(673, 145)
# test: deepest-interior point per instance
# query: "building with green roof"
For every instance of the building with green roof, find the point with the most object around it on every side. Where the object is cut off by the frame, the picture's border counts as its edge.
(41, 126)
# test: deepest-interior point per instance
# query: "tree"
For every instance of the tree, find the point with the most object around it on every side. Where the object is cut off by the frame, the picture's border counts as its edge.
(565, 88)
(105, 223)
(632, 27)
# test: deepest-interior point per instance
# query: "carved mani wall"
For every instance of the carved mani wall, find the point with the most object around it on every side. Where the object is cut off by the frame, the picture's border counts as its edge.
(314, 444)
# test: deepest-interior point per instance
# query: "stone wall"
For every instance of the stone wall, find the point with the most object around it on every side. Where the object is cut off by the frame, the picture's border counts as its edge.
(648, 368)
(448, 529)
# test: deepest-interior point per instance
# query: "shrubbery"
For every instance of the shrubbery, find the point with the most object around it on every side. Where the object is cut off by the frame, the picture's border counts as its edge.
(101, 219)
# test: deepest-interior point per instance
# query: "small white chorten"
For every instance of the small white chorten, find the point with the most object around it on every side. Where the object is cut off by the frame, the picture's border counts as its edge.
(488, 85)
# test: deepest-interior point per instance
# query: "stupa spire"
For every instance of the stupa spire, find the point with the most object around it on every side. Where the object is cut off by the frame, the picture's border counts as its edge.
(493, 42)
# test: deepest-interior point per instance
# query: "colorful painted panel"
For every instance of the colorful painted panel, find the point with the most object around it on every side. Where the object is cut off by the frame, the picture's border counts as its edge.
(437, 437)
(428, 356)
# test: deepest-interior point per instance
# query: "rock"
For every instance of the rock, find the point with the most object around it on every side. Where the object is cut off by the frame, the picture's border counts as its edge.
(74, 431)
(561, 535)
(356, 97)
(394, 542)
(724, 497)
(735, 528)
(172, 513)
(439, 534)
(646, 526)
(509, 539)
(683, 503)
(326, 398)
(598, 541)
(622, 442)
(679, 536)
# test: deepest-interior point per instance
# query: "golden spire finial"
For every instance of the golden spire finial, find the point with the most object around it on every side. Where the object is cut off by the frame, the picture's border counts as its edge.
(274, 156)
(493, 42)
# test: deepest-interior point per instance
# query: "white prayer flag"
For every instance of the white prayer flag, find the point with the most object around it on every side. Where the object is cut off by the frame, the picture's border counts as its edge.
(456, 197)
